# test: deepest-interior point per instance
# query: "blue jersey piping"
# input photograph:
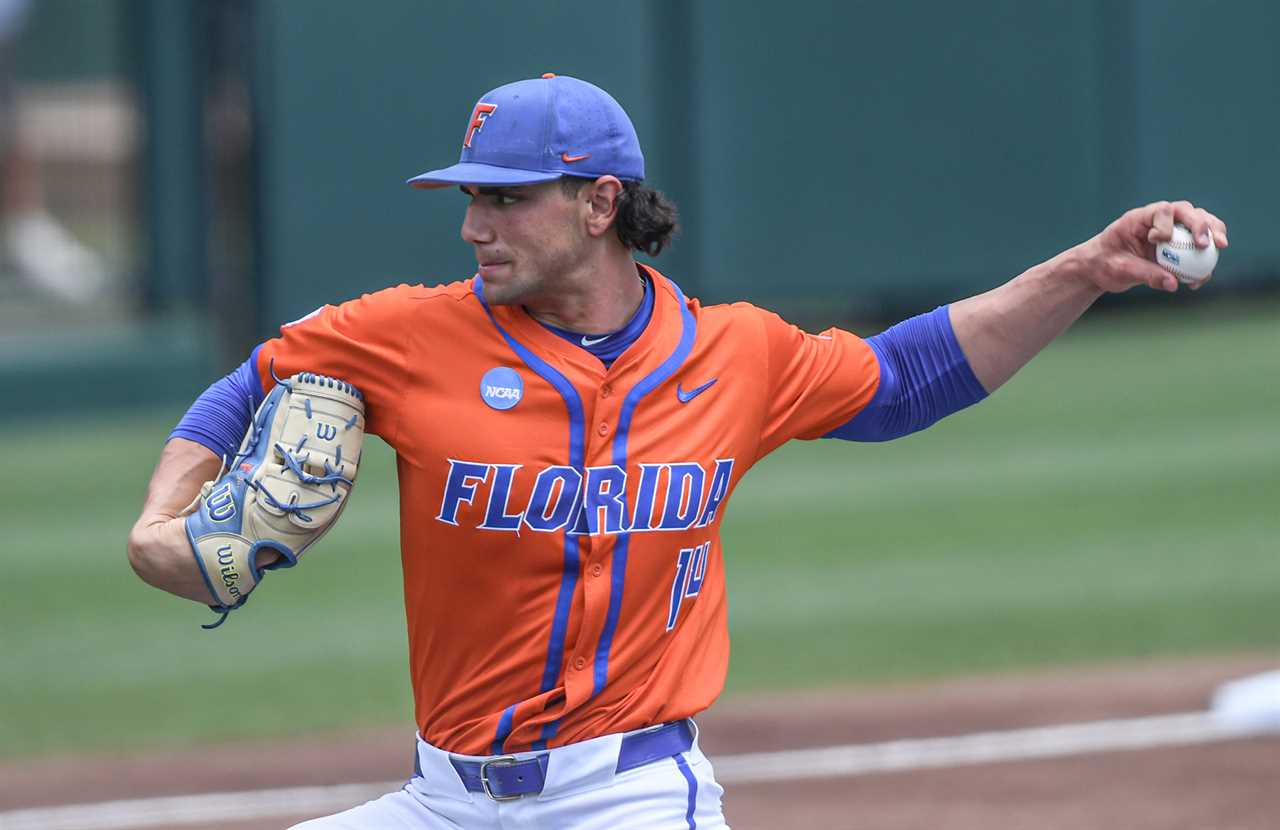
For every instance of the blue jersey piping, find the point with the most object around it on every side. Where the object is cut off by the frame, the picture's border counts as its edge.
(622, 543)
(569, 577)
(504, 729)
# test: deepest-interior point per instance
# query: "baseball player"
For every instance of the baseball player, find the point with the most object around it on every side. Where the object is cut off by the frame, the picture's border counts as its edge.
(569, 427)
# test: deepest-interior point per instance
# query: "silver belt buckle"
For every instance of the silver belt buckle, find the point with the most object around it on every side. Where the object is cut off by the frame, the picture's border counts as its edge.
(501, 761)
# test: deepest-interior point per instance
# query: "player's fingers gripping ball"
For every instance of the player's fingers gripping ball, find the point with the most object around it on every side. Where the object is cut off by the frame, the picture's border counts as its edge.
(284, 489)
(1180, 256)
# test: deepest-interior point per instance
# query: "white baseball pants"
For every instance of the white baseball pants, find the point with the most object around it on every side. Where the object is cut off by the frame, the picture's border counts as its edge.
(582, 792)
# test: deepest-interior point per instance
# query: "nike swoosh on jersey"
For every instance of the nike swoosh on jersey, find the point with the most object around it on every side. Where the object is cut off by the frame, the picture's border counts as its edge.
(685, 397)
(568, 159)
(591, 341)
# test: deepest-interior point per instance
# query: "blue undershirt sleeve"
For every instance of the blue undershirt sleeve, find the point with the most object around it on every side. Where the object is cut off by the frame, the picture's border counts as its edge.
(924, 377)
(219, 418)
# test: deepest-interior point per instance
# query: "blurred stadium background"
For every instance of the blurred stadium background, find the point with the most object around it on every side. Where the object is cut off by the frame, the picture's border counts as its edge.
(207, 170)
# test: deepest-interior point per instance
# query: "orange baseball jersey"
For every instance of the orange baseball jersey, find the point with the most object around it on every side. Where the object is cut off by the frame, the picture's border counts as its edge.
(560, 521)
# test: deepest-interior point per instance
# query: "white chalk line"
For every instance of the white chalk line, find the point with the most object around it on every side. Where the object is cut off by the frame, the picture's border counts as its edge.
(980, 748)
(822, 762)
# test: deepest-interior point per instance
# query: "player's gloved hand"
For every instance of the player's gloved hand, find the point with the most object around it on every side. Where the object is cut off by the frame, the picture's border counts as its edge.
(283, 491)
(1123, 255)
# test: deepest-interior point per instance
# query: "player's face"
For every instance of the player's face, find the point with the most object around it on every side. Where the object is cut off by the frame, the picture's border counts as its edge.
(530, 241)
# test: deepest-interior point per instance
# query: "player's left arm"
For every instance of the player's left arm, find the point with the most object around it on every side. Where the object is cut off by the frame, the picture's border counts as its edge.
(158, 547)
(1002, 329)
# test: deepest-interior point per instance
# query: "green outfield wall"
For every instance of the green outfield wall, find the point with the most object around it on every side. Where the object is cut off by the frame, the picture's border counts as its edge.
(855, 157)
(836, 161)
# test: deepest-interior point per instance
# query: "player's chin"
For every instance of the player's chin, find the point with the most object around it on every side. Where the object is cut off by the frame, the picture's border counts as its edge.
(501, 287)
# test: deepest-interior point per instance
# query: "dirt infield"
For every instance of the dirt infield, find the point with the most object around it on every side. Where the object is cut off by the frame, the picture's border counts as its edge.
(1230, 785)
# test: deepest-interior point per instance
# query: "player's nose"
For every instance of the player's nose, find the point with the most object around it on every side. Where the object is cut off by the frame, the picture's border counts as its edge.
(475, 230)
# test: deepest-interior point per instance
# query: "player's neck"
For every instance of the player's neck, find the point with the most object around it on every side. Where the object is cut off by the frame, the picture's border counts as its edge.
(601, 300)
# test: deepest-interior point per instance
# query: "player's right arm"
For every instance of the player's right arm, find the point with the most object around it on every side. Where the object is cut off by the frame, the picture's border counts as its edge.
(837, 385)
(1001, 330)
(935, 364)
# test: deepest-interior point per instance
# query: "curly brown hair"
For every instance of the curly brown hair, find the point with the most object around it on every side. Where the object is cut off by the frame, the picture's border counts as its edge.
(647, 219)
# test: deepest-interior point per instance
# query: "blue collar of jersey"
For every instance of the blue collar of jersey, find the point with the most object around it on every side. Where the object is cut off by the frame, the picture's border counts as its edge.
(609, 347)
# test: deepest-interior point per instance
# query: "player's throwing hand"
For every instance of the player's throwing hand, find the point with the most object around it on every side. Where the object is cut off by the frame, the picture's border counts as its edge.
(1123, 255)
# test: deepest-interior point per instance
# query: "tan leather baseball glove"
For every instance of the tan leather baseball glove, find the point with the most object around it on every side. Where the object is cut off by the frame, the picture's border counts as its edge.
(283, 490)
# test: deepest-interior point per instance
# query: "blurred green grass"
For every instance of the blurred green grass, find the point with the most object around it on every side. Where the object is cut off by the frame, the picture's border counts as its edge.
(1120, 499)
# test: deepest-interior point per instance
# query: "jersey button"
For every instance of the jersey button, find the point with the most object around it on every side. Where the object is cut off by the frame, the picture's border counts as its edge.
(606, 391)
(579, 663)
(596, 569)
(603, 429)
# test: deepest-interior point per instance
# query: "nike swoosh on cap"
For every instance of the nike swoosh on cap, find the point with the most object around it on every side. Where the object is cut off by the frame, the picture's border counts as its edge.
(685, 397)
(568, 159)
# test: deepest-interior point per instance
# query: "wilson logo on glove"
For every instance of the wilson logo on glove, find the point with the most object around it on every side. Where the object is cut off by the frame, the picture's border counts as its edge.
(222, 505)
(285, 489)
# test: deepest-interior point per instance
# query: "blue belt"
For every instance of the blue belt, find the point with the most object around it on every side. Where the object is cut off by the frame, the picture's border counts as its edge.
(505, 777)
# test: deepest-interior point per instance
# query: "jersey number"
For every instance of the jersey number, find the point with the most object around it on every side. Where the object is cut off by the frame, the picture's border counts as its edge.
(691, 568)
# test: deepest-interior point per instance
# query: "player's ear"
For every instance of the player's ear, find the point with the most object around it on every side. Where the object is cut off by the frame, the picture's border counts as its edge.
(602, 201)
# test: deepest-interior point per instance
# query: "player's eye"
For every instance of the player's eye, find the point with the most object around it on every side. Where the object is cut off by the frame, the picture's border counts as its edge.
(492, 195)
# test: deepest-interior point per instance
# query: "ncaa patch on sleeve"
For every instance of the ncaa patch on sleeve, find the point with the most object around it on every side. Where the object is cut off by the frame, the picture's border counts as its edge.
(501, 387)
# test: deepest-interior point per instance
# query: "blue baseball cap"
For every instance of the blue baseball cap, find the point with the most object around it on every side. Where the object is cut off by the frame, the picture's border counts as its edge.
(540, 130)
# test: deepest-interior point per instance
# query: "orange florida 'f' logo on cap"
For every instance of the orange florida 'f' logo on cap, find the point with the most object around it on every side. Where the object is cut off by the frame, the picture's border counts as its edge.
(478, 115)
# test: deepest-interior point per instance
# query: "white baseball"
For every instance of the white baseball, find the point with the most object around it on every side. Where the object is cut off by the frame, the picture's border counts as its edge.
(1188, 263)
